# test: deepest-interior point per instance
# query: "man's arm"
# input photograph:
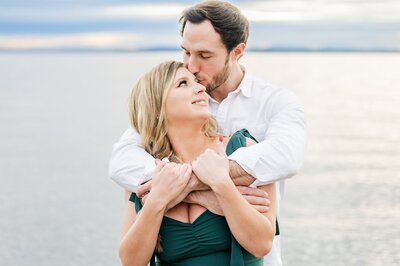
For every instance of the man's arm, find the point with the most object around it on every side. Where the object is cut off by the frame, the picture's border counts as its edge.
(239, 176)
(257, 198)
(280, 154)
(130, 165)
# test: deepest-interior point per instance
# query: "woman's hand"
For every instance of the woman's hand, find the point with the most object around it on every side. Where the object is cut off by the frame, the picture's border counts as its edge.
(169, 181)
(212, 166)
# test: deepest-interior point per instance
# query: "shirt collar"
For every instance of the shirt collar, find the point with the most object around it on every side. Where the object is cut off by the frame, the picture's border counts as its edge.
(245, 84)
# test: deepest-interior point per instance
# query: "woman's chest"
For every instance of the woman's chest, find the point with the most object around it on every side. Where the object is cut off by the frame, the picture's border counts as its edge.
(185, 212)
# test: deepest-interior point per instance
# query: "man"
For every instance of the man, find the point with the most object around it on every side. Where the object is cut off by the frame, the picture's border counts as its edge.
(214, 37)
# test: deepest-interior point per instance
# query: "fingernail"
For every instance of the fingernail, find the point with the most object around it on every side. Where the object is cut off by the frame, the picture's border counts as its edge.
(221, 138)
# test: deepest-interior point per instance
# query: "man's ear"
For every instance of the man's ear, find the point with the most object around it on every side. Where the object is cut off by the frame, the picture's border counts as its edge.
(238, 51)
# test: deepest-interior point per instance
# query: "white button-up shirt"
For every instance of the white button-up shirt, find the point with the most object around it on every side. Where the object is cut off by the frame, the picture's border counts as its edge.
(273, 115)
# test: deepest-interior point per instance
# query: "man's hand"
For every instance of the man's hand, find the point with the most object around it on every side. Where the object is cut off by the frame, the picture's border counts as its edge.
(257, 198)
(144, 189)
(195, 184)
(207, 199)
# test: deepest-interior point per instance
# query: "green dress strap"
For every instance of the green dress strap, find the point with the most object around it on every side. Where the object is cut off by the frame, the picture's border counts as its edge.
(238, 140)
(138, 206)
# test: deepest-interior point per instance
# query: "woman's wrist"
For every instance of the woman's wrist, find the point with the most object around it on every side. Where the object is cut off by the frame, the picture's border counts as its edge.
(156, 203)
(222, 184)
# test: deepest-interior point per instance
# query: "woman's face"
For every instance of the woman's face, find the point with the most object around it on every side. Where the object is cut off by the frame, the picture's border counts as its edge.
(187, 100)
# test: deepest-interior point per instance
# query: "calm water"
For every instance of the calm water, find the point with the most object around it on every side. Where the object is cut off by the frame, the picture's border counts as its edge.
(61, 113)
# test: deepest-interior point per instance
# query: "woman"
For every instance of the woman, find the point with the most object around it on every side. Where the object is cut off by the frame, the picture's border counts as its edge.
(170, 111)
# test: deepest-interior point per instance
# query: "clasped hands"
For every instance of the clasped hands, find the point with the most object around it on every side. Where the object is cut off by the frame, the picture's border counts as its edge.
(173, 183)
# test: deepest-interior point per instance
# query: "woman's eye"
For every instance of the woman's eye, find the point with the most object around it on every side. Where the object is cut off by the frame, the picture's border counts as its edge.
(183, 82)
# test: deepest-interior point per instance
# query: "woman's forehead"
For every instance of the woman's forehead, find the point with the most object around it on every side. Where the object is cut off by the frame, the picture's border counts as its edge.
(183, 72)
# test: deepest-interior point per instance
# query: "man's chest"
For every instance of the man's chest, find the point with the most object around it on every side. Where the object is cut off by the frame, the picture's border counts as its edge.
(235, 115)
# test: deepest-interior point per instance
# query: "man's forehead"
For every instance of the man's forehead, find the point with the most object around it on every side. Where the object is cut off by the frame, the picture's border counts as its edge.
(201, 37)
(205, 45)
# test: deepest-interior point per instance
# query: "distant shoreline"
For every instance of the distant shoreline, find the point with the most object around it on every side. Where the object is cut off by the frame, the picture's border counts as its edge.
(156, 49)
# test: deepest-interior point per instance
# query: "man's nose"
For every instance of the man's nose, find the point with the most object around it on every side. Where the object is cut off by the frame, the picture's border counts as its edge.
(193, 65)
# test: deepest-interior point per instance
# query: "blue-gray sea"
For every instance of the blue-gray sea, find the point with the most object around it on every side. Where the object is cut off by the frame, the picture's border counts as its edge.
(61, 113)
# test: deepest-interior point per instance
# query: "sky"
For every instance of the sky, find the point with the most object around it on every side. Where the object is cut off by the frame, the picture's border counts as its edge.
(119, 25)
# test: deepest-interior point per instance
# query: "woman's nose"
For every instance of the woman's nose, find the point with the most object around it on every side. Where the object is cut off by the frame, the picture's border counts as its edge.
(199, 88)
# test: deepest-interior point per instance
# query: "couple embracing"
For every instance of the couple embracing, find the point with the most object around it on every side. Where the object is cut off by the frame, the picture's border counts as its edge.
(216, 145)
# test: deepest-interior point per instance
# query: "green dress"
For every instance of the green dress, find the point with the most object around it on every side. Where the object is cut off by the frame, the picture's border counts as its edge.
(206, 241)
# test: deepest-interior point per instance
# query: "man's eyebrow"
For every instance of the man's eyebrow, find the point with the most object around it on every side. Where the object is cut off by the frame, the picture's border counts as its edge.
(205, 52)
(200, 52)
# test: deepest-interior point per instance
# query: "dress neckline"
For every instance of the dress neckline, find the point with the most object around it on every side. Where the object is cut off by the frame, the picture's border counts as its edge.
(201, 217)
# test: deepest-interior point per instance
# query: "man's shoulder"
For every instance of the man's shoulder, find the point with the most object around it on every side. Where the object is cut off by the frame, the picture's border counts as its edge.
(262, 87)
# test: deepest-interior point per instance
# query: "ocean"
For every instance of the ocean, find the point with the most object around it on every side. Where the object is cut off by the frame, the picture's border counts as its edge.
(61, 113)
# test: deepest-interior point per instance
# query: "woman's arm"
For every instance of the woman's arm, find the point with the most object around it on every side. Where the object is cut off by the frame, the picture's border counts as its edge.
(140, 235)
(253, 230)
(140, 232)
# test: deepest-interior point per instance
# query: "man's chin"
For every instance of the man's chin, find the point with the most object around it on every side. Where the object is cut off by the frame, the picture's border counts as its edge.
(209, 89)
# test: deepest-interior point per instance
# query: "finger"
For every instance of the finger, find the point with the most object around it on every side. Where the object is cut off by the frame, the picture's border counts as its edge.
(187, 174)
(194, 165)
(182, 169)
(159, 165)
(143, 189)
(158, 162)
(261, 209)
(144, 198)
(220, 146)
(252, 191)
(257, 200)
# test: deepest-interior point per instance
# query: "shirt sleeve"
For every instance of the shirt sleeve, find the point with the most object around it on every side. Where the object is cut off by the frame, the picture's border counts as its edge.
(281, 154)
(130, 165)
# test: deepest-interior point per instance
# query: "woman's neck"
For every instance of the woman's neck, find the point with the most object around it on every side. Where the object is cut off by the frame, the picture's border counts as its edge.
(188, 143)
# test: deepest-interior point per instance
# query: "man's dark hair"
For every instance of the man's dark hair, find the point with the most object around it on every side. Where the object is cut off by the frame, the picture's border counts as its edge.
(226, 19)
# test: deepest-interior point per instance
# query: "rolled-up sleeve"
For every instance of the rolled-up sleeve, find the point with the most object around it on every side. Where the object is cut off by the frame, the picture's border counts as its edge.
(281, 154)
(130, 165)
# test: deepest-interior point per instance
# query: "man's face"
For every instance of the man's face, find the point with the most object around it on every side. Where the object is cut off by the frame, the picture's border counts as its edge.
(205, 55)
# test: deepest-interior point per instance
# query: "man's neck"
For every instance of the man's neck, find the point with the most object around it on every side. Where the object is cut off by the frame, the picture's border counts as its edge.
(231, 84)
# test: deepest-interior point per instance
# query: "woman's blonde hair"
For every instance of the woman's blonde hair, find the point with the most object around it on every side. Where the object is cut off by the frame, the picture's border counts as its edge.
(147, 110)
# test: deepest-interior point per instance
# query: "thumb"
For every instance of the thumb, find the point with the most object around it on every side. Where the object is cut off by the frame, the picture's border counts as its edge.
(220, 146)
(158, 161)
(159, 165)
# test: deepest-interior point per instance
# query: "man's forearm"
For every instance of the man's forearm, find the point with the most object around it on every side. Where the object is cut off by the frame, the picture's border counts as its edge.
(130, 165)
(239, 176)
(205, 198)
